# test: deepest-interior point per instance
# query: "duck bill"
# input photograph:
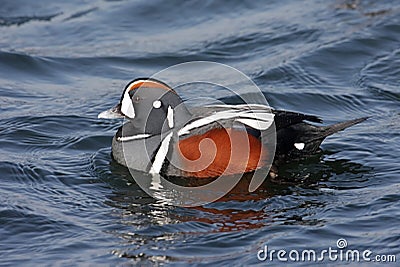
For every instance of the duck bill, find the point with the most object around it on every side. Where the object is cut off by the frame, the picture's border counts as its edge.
(112, 113)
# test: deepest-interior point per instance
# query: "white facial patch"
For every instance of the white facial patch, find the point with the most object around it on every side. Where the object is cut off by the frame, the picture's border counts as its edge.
(299, 146)
(170, 117)
(157, 104)
(127, 106)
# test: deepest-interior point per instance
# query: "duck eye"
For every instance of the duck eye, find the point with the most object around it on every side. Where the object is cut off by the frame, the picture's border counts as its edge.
(157, 104)
(136, 99)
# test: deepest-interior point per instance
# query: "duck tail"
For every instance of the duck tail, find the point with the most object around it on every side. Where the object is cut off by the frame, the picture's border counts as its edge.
(337, 127)
(311, 136)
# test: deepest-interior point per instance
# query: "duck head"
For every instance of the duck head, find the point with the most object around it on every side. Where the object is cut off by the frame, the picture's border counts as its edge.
(151, 106)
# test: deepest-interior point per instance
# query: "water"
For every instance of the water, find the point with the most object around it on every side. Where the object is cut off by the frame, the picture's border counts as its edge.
(65, 202)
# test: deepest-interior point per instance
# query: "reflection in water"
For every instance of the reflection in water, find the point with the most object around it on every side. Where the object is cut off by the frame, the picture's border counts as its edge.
(317, 172)
(152, 231)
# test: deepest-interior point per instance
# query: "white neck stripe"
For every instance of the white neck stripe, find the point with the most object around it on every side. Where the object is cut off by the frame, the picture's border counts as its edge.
(170, 117)
(133, 137)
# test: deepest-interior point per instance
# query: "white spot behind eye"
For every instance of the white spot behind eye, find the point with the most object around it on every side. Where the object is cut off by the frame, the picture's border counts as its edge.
(299, 146)
(157, 104)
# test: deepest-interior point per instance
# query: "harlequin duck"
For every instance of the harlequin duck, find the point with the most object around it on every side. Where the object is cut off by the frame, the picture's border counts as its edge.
(164, 136)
